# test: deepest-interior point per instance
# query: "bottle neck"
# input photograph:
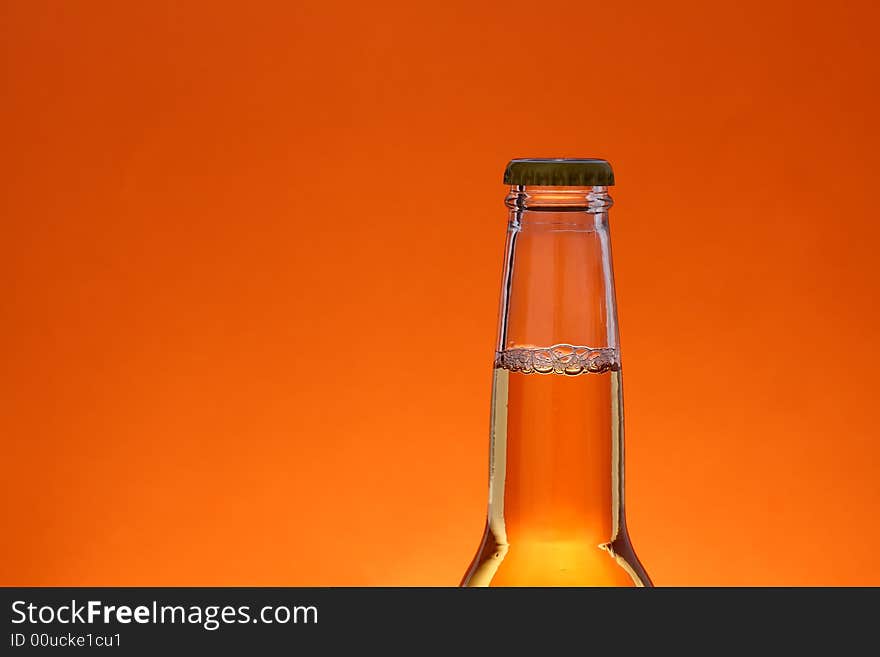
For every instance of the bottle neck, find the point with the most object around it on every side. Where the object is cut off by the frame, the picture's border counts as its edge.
(557, 385)
(556, 508)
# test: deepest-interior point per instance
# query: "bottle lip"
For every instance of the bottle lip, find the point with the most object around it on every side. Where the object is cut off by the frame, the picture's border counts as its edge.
(559, 198)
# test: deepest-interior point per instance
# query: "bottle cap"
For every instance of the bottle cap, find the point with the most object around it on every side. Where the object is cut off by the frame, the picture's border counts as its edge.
(559, 172)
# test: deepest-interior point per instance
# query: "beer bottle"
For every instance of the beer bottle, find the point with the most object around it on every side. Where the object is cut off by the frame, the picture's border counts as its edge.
(556, 473)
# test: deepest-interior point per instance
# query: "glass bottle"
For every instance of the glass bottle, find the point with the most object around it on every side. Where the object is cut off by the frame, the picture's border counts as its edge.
(556, 473)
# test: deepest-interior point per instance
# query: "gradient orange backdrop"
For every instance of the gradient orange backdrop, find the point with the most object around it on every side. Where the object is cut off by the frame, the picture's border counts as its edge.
(251, 257)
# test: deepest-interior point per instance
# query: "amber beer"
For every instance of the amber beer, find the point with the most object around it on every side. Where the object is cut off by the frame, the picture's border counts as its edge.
(556, 473)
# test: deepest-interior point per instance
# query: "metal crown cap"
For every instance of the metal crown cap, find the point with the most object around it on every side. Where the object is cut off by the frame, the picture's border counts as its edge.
(559, 172)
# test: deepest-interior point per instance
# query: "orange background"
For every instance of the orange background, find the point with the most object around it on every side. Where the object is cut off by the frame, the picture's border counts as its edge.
(251, 258)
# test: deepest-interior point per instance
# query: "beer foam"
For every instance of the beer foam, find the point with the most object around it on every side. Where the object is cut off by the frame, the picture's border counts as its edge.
(558, 359)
